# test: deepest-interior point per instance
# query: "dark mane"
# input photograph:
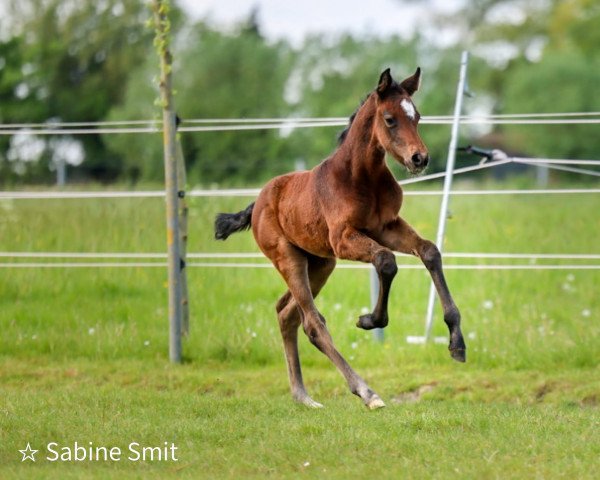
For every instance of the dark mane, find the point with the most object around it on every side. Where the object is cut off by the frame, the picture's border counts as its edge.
(344, 133)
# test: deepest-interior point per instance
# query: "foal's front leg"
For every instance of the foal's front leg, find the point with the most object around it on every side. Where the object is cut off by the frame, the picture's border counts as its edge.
(351, 244)
(401, 237)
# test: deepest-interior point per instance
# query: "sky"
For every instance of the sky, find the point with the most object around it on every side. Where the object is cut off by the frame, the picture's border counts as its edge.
(294, 19)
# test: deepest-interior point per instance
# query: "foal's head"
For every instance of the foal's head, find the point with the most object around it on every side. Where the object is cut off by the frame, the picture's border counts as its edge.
(396, 119)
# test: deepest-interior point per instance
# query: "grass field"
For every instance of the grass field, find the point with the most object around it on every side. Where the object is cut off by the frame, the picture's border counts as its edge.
(83, 353)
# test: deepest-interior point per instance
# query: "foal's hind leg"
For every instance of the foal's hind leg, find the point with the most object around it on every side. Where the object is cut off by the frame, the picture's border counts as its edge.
(401, 237)
(289, 316)
(293, 266)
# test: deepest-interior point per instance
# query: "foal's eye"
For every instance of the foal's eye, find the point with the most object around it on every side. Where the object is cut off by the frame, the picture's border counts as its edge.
(389, 120)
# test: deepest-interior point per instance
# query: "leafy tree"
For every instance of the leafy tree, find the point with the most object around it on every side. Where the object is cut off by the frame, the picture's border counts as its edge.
(558, 83)
(574, 25)
(68, 60)
(535, 57)
(216, 75)
(84, 61)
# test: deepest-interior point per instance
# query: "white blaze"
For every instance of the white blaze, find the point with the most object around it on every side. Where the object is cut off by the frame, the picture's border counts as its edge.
(408, 108)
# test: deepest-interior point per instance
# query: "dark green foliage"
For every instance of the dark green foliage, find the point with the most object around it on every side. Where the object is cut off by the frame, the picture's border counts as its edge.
(233, 76)
(216, 75)
(559, 83)
(69, 61)
(90, 61)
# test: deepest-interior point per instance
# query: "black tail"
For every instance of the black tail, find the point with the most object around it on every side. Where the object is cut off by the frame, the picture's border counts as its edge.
(228, 223)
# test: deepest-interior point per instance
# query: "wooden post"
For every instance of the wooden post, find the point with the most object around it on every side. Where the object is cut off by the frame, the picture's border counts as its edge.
(183, 237)
(162, 27)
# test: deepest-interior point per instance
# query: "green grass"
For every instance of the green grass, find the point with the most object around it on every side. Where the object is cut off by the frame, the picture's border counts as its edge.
(237, 422)
(83, 353)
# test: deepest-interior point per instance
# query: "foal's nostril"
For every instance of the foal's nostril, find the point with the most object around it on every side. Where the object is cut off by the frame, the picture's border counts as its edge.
(420, 160)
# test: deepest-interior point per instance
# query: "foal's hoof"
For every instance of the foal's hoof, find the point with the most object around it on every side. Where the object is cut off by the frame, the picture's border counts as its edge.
(459, 354)
(369, 322)
(375, 402)
(366, 322)
(308, 402)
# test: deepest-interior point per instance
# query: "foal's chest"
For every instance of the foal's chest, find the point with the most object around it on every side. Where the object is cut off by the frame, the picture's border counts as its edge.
(382, 204)
(381, 210)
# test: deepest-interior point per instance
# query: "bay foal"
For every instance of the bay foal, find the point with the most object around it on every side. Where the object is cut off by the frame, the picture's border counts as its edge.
(346, 207)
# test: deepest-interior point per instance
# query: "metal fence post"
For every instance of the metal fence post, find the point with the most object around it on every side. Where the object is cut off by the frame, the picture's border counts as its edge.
(541, 175)
(162, 27)
(460, 92)
(61, 172)
(378, 333)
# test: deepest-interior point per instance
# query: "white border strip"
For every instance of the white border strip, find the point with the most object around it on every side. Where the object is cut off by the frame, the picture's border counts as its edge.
(278, 126)
(154, 125)
(253, 192)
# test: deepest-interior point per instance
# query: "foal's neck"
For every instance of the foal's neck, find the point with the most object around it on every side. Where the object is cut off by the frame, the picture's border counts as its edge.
(360, 150)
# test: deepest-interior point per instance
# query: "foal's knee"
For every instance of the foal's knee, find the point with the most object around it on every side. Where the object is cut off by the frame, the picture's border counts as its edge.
(385, 263)
(316, 331)
(430, 255)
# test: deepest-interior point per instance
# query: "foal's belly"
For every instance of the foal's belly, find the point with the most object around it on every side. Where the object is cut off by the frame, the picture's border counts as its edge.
(306, 228)
(301, 219)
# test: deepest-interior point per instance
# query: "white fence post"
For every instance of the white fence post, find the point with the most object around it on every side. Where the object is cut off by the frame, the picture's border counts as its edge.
(378, 333)
(460, 92)
(61, 172)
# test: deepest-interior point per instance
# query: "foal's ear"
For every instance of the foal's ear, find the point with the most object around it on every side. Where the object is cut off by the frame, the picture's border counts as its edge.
(385, 82)
(411, 84)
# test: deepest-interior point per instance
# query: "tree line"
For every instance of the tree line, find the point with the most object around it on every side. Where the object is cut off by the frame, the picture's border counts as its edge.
(86, 61)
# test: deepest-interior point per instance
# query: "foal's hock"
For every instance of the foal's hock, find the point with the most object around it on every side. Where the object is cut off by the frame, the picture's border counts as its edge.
(346, 207)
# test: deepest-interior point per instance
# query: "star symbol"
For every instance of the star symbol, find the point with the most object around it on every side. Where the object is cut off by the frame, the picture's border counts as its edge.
(28, 453)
